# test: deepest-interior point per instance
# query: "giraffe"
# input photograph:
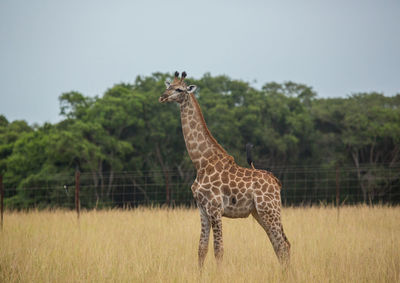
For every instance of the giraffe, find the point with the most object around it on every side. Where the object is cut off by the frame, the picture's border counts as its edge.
(222, 188)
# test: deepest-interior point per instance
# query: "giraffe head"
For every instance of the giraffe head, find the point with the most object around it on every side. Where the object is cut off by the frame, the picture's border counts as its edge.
(177, 90)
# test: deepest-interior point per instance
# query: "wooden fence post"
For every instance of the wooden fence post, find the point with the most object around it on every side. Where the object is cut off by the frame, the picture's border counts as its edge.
(337, 191)
(167, 190)
(77, 202)
(1, 200)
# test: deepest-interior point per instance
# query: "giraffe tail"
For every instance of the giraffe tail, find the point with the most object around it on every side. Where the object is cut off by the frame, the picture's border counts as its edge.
(249, 146)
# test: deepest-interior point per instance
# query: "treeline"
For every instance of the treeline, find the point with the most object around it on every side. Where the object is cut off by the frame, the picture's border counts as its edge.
(127, 129)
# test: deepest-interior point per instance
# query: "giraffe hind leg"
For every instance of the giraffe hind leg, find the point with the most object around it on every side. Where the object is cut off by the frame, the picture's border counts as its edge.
(271, 223)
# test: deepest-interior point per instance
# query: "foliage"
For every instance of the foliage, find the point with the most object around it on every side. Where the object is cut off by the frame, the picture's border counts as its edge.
(128, 130)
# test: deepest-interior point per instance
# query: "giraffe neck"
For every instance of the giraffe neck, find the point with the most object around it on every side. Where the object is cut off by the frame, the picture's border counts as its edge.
(201, 145)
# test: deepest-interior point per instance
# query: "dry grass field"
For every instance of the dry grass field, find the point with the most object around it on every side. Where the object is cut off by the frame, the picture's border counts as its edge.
(159, 245)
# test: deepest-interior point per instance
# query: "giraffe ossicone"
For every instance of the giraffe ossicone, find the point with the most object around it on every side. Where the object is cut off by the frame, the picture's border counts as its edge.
(223, 188)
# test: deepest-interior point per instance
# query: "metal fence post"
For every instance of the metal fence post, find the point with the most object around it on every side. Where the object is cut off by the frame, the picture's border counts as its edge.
(77, 203)
(1, 200)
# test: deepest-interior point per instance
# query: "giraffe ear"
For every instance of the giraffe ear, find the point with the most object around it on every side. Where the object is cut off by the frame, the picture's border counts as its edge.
(167, 84)
(191, 88)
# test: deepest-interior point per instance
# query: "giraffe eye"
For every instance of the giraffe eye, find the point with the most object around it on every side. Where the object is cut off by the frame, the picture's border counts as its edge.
(179, 90)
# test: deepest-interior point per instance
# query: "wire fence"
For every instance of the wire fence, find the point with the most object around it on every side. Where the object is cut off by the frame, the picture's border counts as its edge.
(300, 186)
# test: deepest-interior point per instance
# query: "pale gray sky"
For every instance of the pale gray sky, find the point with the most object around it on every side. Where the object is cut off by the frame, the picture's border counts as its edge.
(50, 47)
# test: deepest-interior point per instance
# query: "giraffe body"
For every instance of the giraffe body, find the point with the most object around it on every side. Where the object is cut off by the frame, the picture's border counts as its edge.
(223, 188)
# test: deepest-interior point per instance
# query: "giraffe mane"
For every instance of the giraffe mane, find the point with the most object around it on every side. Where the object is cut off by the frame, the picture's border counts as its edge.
(203, 122)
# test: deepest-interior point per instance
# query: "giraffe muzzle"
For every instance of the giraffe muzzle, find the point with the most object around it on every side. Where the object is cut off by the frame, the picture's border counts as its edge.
(162, 99)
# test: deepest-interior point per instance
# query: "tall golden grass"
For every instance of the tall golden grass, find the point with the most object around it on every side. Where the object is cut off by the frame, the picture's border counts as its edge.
(160, 245)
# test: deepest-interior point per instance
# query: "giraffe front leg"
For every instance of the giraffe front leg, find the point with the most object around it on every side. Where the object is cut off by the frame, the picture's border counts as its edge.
(204, 237)
(216, 224)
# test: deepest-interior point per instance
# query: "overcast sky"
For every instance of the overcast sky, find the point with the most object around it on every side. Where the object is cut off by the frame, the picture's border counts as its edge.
(50, 47)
